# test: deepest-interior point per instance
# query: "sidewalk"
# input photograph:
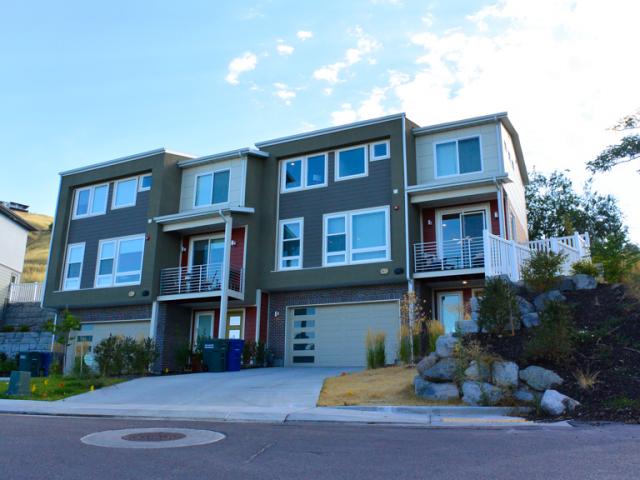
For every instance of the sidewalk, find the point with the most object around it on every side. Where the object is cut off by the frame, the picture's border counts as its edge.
(417, 416)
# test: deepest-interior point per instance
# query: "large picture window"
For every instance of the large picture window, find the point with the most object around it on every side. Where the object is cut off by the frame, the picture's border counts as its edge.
(351, 163)
(90, 201)
(356, 237)
(458, 157)
(73, 266)
(124, 193)
(290, 244)
(120, 261)
(212, 188)
(303, 173)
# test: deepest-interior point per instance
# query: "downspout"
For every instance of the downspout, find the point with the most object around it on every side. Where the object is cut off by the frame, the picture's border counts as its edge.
(224, 287)
(500, 207)
(406, 204)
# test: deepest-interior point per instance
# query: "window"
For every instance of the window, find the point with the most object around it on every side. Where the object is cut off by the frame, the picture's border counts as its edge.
(356, 237)
(307, 172)
(212, 188)
(120, 261)
(458, 157)
(290, 244)
(145, 183)
(90, 201)
(73, 266)
(351, 163)
(304, 311)
(124, 193)
(380, 150)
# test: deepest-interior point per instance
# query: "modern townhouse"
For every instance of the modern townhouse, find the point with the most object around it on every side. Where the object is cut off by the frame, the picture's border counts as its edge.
(13, 243)
(305, 243)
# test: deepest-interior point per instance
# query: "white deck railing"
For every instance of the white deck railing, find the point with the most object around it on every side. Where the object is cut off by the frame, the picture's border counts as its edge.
(198, 279)
(25, 292)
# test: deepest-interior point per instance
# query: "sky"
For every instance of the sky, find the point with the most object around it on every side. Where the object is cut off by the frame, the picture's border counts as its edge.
(84, 82)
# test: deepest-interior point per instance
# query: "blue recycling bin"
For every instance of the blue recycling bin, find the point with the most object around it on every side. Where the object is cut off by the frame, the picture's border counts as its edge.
(46, 359)
(234, 354)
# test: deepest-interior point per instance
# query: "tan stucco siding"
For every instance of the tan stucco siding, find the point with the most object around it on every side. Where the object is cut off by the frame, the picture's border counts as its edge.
(515, 188)
(237, 168)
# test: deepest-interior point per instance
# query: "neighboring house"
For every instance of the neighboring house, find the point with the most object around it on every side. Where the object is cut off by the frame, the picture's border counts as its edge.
(306, 243)
(13, 243)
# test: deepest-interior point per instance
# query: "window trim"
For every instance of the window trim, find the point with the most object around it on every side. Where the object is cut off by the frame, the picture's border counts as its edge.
(66, 266)
(348, 215)
(281, 224)
(303, 172)
(115, 193)
(456, 140)
(372, 155)
(91, 189)
(336, 163)
(140, 187)
(114, 272)
(213, 179)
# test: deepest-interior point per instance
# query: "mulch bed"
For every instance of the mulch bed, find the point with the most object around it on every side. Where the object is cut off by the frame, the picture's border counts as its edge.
(608, 341)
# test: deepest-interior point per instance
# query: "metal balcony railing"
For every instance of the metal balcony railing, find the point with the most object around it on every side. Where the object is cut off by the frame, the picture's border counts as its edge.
(458, 254)
(199, 279)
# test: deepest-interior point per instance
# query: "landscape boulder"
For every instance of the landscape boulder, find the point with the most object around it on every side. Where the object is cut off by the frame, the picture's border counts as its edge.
(566, 284)
(445, 345)
(435, 391)
(531, 319)
(584, 282)
(442, 371)
(552, 295)
(480, 393)
(525, 395)
(468, 326)
(505, 374)
(540, 378)
(525, 306)
(426, 363)
(478, 372)
(555, 403)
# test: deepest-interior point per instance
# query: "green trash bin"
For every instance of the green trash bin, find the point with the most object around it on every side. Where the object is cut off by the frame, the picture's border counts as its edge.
(214, 355)
(30, 362)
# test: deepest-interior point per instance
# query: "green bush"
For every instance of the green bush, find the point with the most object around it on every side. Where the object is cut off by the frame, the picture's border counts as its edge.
(7, 329)
(118, 355)
(8, 365)
(435, 329)
(553, 340)
(585, 267)
(498, 307)
(404, 345)
(24, 328)
(261, 354)
(248, 351)
(376, 355)
(540, 271)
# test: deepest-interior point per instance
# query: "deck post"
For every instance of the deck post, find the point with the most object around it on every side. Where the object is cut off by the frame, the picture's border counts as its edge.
(486, 245)
(224, 286)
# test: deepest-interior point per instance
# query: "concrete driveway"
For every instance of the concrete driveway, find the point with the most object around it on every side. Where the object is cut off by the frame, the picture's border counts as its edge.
(260, 387)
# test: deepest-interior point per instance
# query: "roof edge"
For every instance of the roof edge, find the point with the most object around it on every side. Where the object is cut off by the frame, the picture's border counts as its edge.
(215, 157)
(17, 219)
(465, 122)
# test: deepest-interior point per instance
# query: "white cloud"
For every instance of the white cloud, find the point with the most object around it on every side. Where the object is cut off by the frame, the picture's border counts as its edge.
(304, 35)
(244, 63)
(284, 49)
(327, 91)
(365, 46)
(346, 114)
(284, 93)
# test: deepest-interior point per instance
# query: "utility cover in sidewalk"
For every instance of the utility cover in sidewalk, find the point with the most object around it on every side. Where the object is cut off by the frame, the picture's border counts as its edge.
(152, 438)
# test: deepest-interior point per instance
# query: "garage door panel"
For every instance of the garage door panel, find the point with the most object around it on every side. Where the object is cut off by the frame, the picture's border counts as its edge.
(339, 333)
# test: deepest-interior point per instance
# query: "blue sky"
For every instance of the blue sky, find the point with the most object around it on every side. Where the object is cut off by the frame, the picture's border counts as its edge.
(83, 82)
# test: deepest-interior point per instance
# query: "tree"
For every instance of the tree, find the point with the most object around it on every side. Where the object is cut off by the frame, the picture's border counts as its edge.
(627, 150)
(62, 330)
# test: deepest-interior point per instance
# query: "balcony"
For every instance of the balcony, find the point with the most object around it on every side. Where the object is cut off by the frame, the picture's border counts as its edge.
(464, 255)
(199, 281)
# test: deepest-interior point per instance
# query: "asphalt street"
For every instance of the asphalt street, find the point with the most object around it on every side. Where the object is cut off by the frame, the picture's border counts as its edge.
(42, 447)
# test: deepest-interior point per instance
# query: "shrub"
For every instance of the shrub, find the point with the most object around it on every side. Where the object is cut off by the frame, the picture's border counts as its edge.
(118, 355)
(413, 317)
(585, 379)
(472, 350)
(585, 267)
(248, 351)
(553, 340)
(7, 329)
(376, 355)
(182, 354)
(261, 354)
(498, 307)
(435, 329)
(404, 344)
(24, 328)
(540, 271)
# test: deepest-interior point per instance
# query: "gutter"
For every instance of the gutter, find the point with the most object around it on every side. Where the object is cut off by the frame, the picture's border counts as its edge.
(216, 157)
(175, 217)
(449, 186)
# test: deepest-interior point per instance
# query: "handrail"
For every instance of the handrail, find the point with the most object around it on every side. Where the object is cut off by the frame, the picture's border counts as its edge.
(199, 279)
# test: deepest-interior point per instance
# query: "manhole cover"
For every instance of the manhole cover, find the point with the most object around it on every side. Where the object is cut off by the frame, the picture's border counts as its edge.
(152, 438)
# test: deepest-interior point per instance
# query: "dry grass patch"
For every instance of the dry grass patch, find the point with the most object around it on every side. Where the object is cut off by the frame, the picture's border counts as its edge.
(35, 260)
(382, 386)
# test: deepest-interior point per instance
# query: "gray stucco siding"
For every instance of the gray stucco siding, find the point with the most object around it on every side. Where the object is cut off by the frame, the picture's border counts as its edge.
(371, 191)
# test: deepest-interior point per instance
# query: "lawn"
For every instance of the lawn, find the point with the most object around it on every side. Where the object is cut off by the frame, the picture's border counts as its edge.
(382, 386)
(56, 387)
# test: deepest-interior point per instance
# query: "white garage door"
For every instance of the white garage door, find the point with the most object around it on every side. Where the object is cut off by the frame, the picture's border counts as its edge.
(334, 336)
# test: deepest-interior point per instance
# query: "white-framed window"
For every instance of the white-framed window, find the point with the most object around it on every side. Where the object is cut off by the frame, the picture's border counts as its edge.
(380, 150)
(120, 261)
(211, 188)
(458, 157)
(125, 192)
(73, 266)
(290, 244)
(351, 162)
(90, 201)
(303, 173)
(358, 236)
(145, 182)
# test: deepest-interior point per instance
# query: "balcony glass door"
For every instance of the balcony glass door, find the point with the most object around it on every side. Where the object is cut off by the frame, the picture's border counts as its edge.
(206, 262)
(461, 239)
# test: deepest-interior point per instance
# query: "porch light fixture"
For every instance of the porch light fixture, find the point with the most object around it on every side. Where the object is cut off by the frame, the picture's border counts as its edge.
(429, 222)
(495, 214)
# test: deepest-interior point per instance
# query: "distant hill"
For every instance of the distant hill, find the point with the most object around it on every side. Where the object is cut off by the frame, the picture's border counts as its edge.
(35, 261)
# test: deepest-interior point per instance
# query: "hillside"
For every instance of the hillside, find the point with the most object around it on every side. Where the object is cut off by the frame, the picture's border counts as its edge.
(35, 261)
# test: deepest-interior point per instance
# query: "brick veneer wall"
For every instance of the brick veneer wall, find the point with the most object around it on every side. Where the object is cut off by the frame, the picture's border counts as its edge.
(172, 331)
(280, 301)
(132, 312)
